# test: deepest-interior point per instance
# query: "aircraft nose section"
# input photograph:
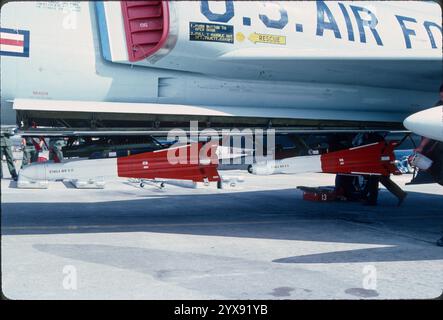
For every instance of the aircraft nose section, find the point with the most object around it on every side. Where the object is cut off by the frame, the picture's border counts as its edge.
(414, 122)
(410, 123)
(427, 123)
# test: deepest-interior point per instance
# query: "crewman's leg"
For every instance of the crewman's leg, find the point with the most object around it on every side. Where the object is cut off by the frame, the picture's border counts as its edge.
(52, 155)
(10, 161)
(436, 169)
(26, 157)
(58, 152)
(393, 188)
(34, 155)
(372, 190)
(1, 162)
(344, 186)
(55, 154)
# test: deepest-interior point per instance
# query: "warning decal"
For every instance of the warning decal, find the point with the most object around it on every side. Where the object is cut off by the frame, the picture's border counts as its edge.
(199, 31)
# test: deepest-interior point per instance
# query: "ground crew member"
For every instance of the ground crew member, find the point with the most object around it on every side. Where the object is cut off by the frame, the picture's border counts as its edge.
(6, 144)
(434, 150)
(371, 190)
(29, 152)
(38, 144)
(440, 102)
(345, 185)
(55, 149)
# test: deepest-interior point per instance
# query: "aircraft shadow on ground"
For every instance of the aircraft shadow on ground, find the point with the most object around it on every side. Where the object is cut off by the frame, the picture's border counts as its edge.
(275, 214)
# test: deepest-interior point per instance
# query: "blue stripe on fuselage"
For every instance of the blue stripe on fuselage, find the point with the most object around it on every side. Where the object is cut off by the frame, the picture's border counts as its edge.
(103, 27)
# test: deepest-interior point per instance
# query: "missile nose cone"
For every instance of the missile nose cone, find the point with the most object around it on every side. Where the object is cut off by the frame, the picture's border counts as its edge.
(427, 123)
(415, 121)
(35, 171)
(412, 124)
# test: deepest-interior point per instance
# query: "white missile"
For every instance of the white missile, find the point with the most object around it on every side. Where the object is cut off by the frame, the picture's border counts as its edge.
(148, 165)
(75, 169)
(37, 175)
(427, 123)
(372, 159)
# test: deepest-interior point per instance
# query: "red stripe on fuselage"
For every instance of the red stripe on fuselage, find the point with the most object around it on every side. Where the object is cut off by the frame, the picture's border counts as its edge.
(12, 42)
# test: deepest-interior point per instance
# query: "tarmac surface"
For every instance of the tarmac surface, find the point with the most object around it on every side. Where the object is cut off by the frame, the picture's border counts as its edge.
(259, 240)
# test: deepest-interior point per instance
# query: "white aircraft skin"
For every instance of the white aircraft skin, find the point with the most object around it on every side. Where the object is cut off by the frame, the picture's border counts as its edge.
(427, 123)
(319, 60)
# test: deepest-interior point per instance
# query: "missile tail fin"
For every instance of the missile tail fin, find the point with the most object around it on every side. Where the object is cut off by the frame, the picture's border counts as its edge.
(377, 159)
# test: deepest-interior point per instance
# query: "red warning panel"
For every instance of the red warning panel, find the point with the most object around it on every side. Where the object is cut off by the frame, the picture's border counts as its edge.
(146, 27)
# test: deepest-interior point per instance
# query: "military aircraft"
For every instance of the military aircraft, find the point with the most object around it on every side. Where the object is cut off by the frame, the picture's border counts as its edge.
(134, 67)
(120, 64)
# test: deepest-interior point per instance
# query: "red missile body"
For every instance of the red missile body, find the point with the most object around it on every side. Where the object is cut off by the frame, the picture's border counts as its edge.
(156, 165)
(377, 158)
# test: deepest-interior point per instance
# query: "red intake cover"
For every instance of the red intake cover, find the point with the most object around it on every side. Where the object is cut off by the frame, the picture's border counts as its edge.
(146, 27)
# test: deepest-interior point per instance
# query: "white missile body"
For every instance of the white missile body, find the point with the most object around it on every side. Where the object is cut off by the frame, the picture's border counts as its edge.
(427, 123)
(99, 169)
(287, 166)
(149, 165)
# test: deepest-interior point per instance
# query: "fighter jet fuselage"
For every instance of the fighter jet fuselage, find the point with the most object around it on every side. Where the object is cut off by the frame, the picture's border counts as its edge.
(327, 60)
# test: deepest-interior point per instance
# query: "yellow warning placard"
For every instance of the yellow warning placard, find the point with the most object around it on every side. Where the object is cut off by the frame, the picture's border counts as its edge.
(267, 38)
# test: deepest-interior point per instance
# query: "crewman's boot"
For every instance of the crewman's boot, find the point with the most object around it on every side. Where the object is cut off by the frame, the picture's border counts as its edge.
(402, 198)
